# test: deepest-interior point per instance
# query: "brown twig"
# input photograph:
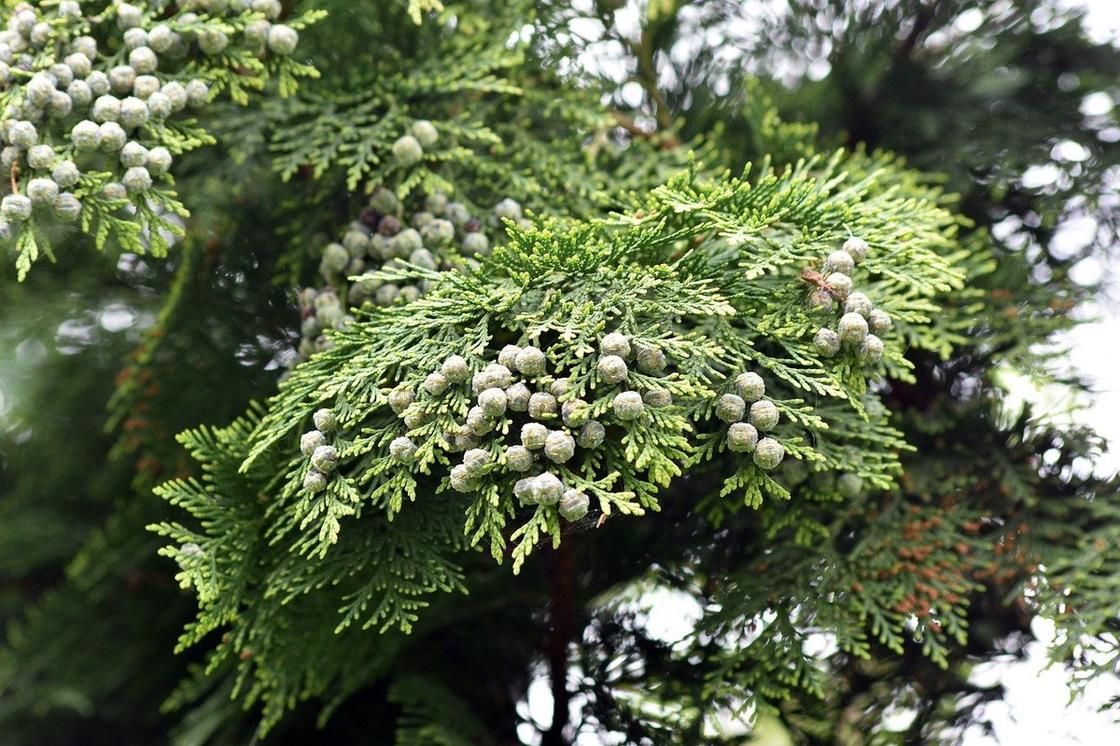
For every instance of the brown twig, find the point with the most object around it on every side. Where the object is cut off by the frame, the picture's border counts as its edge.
(15, 173)
(563, 610)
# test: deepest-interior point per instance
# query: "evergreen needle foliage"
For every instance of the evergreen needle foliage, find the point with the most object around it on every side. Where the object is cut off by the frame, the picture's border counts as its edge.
(476, 349)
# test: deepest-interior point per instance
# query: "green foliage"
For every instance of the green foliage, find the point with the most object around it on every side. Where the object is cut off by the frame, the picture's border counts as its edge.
(113, 211)
(914, 528)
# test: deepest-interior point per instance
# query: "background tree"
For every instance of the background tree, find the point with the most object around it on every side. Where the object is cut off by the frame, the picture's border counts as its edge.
(986, 499)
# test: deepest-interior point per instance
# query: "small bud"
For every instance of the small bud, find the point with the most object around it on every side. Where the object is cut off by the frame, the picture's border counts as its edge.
(657, 398)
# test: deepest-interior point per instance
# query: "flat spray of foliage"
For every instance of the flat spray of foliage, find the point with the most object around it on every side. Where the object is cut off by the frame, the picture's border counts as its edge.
(365, 535)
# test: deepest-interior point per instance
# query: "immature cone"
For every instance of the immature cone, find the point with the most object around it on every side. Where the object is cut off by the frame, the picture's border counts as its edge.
(408, 151)
(478, 423)
(493, 402)
(839, 284)
(517, 397)
(750, 386)
(531, 361)
(628, 405)
(592, 434)
(325, 420)
(651, 361)
(311, 440)
(879, 322)
(476, 460)
(455, 369)
(827, 342)
(462, 479)
(325, 459)
(852, 329)
(840, 261)
(764, 415)
(425, 132)
(559, 447)
(523, 490)
(871, 351)
(402, 449)
(575, 412)
(615, 344)
(508, 356)
(542, 406)
(560, 387)
(436, 383)
(857, 248)
(400, 399)
(314, 481)
(858, 303)
(547, 489)
(742, 437)
(730, 408)
(612, 369)
(850, 485)
(533, 435)
(768, 454)
(519, 458)
(574, 505)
